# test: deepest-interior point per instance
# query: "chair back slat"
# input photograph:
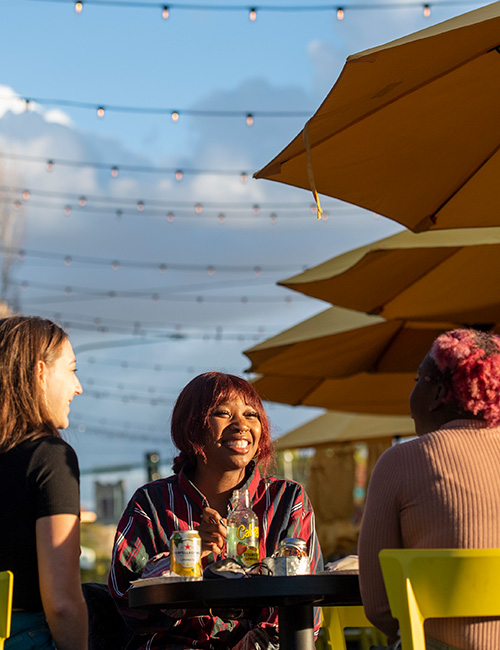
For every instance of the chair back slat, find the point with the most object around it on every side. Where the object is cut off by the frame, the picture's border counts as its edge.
(439, 583)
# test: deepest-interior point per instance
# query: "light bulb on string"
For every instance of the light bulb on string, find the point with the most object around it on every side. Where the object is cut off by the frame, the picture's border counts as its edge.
(50, 165)
(273, 217)
(221, 218)
(82, 201)
(325, 215)
(210, 270)
(256, 209)
(163, 268)
(170, 217)
(26, 104)
(175, 116)
(140, 206)
(26, 195)
(115, 265)
(100, 111)
(67, 260)
(165, 13)
(79, 7)
(198, 208)
(178, 175)
(17, 204)
(249, 119)
(114, 171)
(427, 11)
(340, 13)
(67, 210)
(243, 177)
(253, 14)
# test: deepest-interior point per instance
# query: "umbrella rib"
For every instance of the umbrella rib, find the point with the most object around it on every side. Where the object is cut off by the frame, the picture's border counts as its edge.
(377, 109)
(435, 215)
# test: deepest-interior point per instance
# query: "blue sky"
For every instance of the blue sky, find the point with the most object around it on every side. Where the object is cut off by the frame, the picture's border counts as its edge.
(196, 60)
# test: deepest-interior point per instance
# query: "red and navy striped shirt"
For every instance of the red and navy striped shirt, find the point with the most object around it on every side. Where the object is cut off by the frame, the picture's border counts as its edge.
(157, 510)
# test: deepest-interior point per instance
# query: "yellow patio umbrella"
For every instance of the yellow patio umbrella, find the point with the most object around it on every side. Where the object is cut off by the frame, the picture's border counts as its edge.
(410, 130)
(383, 393)
(341, 343)
(333, 427)
(450, 275)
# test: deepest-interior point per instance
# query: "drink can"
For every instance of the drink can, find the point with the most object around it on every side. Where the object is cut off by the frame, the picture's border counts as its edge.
(185, 553)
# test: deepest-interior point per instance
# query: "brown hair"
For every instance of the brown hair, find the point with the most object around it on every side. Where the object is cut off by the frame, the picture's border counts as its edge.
(24, 341)
(190, 418)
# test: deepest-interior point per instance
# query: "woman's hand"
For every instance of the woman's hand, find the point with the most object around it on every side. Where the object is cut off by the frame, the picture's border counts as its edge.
(212, 531)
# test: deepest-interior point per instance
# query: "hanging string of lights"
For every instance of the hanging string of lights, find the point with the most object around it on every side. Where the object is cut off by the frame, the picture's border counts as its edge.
(114, 169)
(101, 109)
(166, 10)
(162, 295)
(100, 324)
(116, 264)
(113, 433)
(164, 208)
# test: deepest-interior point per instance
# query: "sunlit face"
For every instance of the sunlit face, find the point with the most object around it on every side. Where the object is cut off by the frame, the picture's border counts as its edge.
(236, 430)
(60, 384)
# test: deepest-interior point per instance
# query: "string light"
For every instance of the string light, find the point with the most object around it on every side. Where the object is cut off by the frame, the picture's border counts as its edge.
(340, 13)
(174, 113)
(170, 217)
(179, 173)
(140, 206)
(82, 201)
(244, 177)
(249, 119)
(26, 195)
(427, 11)
(253, 14)
(67, 210)
(364, 6)
(198, 208)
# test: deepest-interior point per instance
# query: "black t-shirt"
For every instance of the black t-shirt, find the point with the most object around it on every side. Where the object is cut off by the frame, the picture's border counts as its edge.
(38, 478)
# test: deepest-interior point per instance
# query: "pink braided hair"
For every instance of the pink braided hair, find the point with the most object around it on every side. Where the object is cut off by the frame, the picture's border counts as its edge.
(469, 361)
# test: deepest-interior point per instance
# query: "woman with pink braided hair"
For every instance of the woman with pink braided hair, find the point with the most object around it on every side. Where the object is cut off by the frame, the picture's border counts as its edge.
(442, 489)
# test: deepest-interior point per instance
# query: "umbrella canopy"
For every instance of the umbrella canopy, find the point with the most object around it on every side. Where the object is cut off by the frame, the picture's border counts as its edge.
(335, 427)
(443, 275)
(340, 343)
(410, 130)
(384, 393)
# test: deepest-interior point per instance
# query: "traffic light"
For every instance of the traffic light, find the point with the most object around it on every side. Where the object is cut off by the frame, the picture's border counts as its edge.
(152, 465)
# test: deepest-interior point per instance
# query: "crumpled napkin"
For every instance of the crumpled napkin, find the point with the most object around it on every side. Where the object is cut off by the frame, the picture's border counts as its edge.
(347, 563)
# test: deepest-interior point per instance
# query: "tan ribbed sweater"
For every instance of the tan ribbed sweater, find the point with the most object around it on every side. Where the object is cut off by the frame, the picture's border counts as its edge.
(441, 490)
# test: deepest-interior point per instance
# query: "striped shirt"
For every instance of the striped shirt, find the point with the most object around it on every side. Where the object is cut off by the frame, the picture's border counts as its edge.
(157, 510)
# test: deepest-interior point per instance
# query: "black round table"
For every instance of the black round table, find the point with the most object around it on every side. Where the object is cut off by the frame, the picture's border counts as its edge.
(295, 597)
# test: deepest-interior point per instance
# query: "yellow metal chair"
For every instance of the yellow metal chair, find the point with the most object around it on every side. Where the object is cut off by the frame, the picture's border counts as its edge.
(335, 619)
(6, 588)
(439, 583)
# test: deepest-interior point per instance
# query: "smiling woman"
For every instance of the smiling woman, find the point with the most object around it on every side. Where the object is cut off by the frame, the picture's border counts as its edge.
(222, 432)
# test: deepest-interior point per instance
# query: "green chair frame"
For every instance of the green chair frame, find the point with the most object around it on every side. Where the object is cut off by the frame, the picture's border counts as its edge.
(6, 591)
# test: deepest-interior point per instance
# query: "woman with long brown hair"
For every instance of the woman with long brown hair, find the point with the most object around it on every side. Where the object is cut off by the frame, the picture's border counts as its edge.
(39, 486)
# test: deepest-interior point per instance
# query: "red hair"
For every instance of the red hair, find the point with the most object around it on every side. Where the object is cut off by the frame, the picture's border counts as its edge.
(469, 362)
(190, 426)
